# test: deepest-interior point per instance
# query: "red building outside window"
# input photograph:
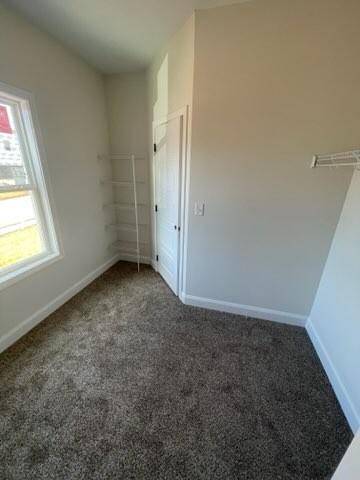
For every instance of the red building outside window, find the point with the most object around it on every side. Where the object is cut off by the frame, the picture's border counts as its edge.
(4, 121)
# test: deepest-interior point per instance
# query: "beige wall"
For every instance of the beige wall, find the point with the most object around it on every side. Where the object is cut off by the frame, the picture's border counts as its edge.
(127, 112)
(170, 80)
(70, 101)
(275, 83)
(128, 123)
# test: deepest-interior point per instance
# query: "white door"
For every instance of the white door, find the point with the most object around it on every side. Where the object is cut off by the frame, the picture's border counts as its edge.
(167, 169)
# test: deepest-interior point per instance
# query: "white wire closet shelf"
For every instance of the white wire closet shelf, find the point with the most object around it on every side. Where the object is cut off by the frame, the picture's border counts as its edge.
(124, 206)
(350, 158)
(120, 183)
(121, 156)
(126, 247)
(127, 227)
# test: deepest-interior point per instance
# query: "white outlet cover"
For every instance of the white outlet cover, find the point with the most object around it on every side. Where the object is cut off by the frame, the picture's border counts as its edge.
(199, 209)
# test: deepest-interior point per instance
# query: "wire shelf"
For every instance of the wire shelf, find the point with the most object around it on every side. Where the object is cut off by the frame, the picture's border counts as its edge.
(342, 159)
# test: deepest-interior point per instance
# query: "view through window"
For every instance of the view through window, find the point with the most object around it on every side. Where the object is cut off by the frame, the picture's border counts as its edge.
(20, 236)
(24, 221)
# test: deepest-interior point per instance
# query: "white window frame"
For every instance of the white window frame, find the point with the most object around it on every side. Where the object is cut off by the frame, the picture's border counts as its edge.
(34, 160)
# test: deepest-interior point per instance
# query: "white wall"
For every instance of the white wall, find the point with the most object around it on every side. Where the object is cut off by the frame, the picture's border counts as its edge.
(349, 468)
(170, 79)
(70, 101)
(126, 96)
(275, 82)
(128, 123)
(334, 323)
(171, 74)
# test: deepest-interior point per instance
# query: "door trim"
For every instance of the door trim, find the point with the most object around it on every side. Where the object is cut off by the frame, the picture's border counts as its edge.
(184, 192)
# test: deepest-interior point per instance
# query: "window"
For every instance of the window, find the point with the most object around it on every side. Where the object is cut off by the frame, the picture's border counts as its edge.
(27, 233)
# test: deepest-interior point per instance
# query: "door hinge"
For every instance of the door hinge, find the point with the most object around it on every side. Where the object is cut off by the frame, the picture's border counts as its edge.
(156, 208)
(155, 148)
(157, 258)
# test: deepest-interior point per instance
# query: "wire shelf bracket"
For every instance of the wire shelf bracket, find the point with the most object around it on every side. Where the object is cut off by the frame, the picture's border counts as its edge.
(342, 159)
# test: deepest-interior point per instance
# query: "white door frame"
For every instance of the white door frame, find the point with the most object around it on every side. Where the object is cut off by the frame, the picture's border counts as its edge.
(184, 191)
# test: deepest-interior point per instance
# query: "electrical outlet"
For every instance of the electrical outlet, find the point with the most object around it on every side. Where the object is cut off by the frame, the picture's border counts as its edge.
(199, 209)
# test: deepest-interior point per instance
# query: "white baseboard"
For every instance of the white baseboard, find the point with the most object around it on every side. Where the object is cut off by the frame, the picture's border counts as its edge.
(24, 327)
(349, 409)
(129, 257)
(246, 310)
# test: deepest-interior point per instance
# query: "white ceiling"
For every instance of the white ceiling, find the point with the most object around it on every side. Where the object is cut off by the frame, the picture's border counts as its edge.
(112, 35)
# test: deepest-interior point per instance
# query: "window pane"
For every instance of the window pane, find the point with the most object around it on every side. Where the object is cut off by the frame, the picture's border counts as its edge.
(20, 233)
(12, 169)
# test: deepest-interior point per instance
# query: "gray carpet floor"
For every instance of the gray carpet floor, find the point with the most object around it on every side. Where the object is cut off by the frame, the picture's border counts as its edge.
(125, 382)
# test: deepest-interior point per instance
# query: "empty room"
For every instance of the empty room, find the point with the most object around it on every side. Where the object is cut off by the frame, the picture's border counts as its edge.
(179, 240)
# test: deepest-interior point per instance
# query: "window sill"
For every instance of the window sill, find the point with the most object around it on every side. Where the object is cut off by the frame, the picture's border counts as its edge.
(28, 269)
